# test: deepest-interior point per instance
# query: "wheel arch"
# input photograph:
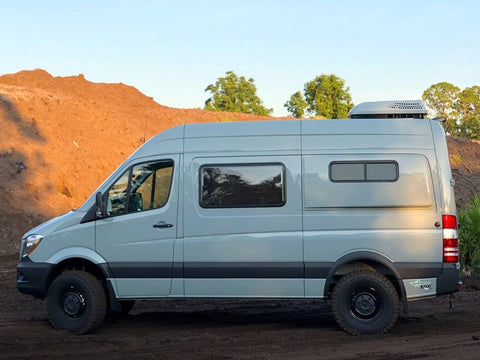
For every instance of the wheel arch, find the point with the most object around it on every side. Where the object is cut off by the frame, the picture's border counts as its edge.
(100, 271)
(78, 258)
(365, 259)
(85, 259)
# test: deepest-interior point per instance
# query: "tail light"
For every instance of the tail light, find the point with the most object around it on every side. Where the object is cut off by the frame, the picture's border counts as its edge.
(450, 239)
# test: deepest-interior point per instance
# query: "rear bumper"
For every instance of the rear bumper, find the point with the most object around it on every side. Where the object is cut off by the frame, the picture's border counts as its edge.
(32, 277)
(448, 282)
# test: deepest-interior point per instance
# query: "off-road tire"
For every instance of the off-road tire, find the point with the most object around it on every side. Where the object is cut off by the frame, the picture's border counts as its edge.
(76, 302)
(365, 302)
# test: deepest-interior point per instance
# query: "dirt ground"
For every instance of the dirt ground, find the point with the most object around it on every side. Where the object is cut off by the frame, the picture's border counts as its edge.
(239, 329)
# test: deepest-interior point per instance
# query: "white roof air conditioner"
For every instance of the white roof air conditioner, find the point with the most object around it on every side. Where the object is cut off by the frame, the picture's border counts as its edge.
(389, 109)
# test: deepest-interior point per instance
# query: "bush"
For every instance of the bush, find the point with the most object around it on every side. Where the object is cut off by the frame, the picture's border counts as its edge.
(469, 234)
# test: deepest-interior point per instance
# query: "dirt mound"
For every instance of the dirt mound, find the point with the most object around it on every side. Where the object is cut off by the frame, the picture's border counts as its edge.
(465, 162)
(61, 136)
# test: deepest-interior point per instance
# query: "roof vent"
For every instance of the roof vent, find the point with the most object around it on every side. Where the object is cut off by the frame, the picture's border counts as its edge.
(389, 109)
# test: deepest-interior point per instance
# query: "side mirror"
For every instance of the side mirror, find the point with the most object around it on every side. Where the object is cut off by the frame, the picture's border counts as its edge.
(99, 208)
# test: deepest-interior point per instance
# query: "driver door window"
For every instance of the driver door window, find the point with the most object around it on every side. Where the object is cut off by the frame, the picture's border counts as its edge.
(142, 187)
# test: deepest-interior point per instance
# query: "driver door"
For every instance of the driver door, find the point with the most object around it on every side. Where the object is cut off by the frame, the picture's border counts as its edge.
(138, 233)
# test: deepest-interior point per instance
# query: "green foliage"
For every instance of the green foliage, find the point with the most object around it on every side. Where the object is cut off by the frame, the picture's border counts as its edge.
(460, 107)
(236, 94)
(456, 159)
(326, 96)
(441, 99)
(296, 105)
(468, 108)
(469, 234)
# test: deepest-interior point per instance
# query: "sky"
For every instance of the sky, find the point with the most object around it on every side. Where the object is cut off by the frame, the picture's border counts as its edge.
(172, 50)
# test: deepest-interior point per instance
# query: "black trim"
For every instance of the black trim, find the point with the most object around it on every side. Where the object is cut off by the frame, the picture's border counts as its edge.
(114, 303)
(199, 270)
(314, 270)
(32, 277)
(234, 270)
(141, 270)
(419, 270)
(447, 283)
(263, 270)
(91, 215)
(177, 271)
(106, 270)
(317, 270)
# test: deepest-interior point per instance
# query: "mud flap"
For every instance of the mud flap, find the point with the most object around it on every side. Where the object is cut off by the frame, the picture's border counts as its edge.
(114, 303)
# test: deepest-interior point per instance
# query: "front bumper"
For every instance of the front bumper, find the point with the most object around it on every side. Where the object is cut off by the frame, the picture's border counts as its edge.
(33, 278)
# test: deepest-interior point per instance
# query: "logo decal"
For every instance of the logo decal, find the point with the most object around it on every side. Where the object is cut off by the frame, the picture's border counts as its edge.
(422, 284)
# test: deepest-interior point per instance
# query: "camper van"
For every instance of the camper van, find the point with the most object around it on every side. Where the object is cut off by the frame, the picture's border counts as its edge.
(358, 211)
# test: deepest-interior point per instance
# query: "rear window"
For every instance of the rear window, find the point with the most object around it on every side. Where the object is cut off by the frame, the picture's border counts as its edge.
(241, 185)
(363, 171)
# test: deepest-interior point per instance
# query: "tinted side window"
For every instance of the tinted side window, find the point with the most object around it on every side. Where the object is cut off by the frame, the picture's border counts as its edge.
(363, 171)
(347, 172)
(142, 187)
(382, 171)
(255, 185)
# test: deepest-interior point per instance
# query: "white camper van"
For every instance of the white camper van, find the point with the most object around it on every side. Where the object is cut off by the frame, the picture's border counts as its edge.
(358, 211)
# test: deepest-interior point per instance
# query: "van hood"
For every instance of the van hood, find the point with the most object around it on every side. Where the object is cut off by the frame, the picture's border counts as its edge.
(71, 218)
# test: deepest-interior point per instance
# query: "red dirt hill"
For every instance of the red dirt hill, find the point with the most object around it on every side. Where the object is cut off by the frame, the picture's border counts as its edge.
(465, 163)
(61, 136)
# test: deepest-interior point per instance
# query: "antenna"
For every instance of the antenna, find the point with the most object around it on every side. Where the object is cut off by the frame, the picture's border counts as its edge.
(145, 131)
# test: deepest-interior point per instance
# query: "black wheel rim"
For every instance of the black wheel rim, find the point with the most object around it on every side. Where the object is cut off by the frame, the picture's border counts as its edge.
(364, 304)
(73, 303)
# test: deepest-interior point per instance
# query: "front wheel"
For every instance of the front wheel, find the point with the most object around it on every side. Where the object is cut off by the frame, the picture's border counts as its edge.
(76, 302)
(365, 302)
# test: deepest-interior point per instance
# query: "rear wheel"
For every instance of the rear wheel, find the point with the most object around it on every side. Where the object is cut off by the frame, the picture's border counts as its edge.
(365, 302)
(76, 302)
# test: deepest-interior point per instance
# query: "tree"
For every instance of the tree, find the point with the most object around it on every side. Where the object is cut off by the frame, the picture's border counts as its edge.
(460, 107)
(326, 96)
(468, 109)
(296, 105)
(236, 94)
(442, 99)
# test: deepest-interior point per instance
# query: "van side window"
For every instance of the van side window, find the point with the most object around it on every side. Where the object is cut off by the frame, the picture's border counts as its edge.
(363, 171)
(142, 187)
(117, 195)
(252, 185)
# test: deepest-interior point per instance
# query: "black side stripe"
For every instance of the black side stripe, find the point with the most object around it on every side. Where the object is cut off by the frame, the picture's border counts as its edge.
(253, 270)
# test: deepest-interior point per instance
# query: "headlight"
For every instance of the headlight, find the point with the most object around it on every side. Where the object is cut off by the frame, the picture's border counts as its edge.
(30, 243)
